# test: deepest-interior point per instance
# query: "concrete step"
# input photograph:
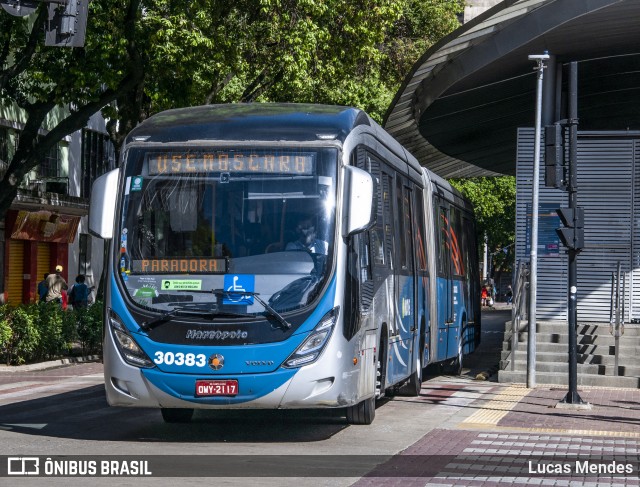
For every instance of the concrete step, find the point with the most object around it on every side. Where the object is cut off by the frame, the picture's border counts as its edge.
(583, 358)
(582, 328)
(592, 369)
(560, 378)
(586, 349)
(602, 339)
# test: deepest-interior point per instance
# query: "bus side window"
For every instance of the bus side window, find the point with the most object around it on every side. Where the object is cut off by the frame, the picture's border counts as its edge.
(418, 224)
(401, 249)
(455, 240)
(376, 234)
(408, 230)
(387, 180)
(444, 247)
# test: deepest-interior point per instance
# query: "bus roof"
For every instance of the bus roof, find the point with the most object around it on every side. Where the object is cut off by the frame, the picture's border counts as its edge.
(250, 121)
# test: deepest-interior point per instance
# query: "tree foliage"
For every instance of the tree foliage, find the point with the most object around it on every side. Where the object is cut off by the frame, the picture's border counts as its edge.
(144, 56)
(494, 200)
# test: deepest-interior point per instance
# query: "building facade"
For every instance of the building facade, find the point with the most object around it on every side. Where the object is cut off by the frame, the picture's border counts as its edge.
(47, 223)
(608, 181)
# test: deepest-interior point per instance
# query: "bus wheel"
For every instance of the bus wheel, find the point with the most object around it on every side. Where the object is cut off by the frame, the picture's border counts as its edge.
(182, 415)
(414, 384)
(362, 413)
(456, 366)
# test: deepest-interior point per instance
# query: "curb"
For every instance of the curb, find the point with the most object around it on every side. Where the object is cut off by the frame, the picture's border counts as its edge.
(52, 364)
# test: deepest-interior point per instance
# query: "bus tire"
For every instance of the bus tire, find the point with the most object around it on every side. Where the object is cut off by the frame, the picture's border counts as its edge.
(456, 365)
(179, 415)
(362, 413)
(414, 383)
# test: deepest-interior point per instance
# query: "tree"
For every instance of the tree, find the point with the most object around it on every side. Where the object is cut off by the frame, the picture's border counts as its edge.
(494, 200)
(143, 56)
(39, 79)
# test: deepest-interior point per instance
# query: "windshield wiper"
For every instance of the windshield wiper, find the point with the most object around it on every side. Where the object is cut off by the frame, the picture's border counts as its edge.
(191, 310)
(278, 317)
(149, 325)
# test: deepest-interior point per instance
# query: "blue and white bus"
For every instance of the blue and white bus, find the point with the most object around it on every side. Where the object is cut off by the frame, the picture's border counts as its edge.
(279, 256)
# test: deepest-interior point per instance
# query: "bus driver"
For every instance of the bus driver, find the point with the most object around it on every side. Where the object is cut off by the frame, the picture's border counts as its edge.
(307, 240)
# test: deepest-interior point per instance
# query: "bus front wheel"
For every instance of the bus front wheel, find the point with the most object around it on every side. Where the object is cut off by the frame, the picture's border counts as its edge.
(362, 413)
(182, 415)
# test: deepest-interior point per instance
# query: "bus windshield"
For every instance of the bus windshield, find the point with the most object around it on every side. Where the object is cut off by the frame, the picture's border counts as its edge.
(200, 221)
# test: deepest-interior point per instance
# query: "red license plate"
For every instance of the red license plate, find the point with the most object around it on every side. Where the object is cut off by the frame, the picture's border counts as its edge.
(216, 388)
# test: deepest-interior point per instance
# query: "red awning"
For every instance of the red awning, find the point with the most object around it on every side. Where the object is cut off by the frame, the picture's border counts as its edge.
(45, 226)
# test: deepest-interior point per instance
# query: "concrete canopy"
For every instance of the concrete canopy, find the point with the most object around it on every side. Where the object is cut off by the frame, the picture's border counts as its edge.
(458, 110)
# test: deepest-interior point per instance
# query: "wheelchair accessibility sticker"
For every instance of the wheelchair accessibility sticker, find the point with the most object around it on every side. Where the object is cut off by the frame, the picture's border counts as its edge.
(236, 285)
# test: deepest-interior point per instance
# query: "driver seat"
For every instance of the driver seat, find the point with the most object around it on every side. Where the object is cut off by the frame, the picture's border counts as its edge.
(274, 247)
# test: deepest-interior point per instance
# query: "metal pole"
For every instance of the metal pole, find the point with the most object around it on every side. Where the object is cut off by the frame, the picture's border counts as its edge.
(572, 396)
(533, 277)
(616, 333)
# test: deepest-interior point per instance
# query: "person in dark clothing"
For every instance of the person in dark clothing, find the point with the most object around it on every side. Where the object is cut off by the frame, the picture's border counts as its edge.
(79, 294)
(307, 240)
(43, 288)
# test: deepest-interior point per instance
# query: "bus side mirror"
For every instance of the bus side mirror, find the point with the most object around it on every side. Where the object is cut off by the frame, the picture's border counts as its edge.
(102, 208)
(359, 199)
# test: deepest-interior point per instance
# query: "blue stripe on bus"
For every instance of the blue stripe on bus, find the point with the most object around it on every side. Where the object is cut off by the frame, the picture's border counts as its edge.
(256, 367)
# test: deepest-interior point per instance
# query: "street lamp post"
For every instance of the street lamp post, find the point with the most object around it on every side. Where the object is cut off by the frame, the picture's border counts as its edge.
(533, 279)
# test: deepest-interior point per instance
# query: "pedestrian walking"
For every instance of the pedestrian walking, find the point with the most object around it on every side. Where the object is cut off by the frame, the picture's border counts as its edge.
(79, 293)
(55, 285)
(43, 288)
(484, 295)
(509, 294)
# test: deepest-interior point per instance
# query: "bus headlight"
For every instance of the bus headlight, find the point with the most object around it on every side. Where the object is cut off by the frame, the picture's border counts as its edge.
(127, 346)
(312, 347)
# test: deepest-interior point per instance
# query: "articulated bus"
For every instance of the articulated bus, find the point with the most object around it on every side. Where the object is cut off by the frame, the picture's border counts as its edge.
(279, 256)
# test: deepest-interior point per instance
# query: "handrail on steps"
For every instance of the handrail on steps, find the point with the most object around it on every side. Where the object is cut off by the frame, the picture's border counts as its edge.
(519, 308)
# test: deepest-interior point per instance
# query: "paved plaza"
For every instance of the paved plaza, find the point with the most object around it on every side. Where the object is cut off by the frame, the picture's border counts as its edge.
(511, 435)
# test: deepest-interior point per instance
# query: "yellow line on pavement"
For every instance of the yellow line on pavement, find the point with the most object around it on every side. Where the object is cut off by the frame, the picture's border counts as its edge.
(519, 429)
(498, 407)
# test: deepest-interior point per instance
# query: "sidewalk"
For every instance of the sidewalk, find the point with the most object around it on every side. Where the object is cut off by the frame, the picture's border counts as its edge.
(51, 364)
(513, 435)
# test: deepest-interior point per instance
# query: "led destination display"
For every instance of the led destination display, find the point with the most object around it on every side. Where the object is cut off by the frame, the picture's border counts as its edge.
(231, 162)
(186, 265)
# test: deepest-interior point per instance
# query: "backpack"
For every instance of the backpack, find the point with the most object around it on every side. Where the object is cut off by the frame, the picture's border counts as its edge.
(71, 295)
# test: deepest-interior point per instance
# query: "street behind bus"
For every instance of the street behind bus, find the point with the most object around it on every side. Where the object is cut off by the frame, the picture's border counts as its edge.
(63, 411)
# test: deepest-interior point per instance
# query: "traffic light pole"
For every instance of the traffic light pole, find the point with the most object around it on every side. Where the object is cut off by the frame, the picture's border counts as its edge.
(572, 396)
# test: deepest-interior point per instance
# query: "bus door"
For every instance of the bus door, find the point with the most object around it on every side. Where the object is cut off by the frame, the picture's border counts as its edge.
(422, 278)
(444, 280)
(458, 285)
(404, 282)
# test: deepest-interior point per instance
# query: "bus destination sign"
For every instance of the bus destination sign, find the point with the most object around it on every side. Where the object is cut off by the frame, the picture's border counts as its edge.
(180, 266)
(230, 162)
